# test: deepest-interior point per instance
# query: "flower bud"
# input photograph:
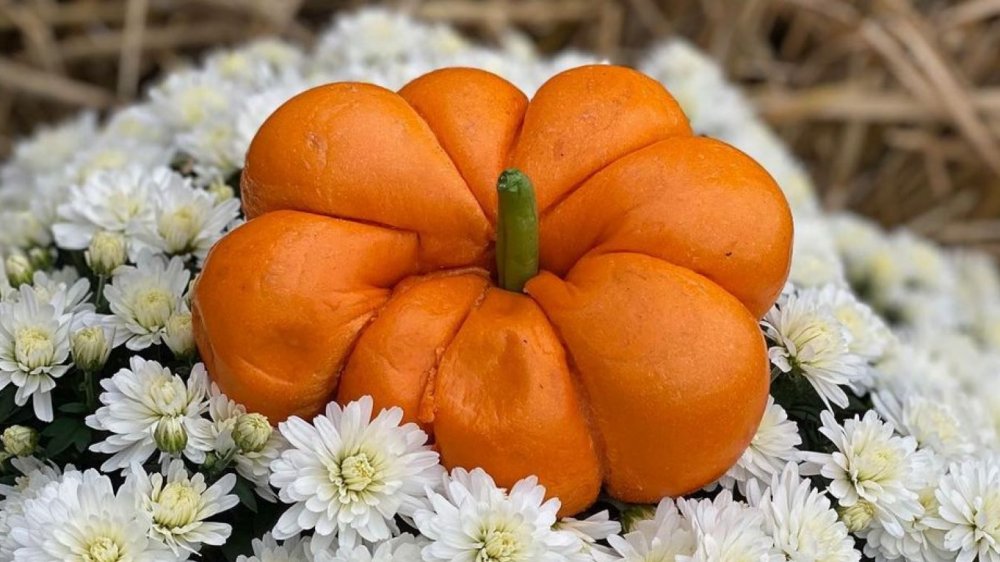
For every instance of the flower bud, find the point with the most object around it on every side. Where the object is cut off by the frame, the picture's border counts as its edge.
(633, 514)
(220, 191)
(41, 258)
(19, 270)
(90, 349)
(252, 432)
(170, 435)
(857, 517)
(106, 252)
(19, 440)
(179, 336)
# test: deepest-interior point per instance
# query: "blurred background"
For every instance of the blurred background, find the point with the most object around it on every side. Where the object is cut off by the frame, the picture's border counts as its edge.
(894, 105)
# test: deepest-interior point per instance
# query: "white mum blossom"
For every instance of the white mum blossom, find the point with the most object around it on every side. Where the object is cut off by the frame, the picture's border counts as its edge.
(253, 464)
(266, 549)
(140, 401)
(727, 531)
(919, 541)
(667, 536)
(870, 337)
(188, 221)
(597, 527)
(35, 475)
(64, 290)
(137, 124)
(144, 297)
(48, 149)
(189, 98)
(404, 548)
(969, 510)
(871, 465)
(473, 519)
(111, 155)
(800, 520)
(348, 474)
(932, 423)
(810, 341)
(773, 446)
(118, 201)
(34, 348)
(80, 518)
(815, 261)
(178, 505)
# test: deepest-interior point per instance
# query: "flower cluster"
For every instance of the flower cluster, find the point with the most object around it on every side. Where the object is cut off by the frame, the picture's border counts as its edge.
(880, 441)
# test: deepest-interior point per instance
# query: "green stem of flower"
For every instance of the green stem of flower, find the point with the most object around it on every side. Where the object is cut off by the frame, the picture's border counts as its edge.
(517, 230)
(90, 397)
(99, 294)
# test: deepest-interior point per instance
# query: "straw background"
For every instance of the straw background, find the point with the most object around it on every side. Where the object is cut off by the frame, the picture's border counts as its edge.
(893, 104)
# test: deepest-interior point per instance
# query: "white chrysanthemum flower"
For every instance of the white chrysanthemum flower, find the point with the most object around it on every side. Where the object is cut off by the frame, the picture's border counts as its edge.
(80, 518)
(113, 155)
(932, 423)
(800, 520)
(709, 100)
(266, 549)
(145, 404)
(35, 476)
(473, 519)
(144, 297)
(872, 465)
(815, 261)
(919, 541)
(187, 99)
(348, 474)
(178, 505)
(187, 221)
(810, 341)
(969, 510)
(667, 536)
(34, 348)
(117, 202)
(137, 124)
(773, 446)
(870, 337)
(404, 548)
(252, 463)
(64, 290)
(48, 149)
(727, 531)
(597, 527)
(376, 38)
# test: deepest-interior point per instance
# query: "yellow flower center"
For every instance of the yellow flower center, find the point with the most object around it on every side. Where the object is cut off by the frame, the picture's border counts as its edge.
(179, 228)
(34, 348)
(103, 549)
(858, 516)
(153, 307)
(357, 472)
(177, 505)
(168, 394)
(499, 546)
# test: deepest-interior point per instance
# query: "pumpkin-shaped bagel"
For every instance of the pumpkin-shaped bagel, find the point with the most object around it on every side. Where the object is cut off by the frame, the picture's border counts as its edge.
(369, 266)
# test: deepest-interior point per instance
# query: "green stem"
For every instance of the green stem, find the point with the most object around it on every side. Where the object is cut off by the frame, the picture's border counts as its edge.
(99, 294)
(517, 230)
(88, 391)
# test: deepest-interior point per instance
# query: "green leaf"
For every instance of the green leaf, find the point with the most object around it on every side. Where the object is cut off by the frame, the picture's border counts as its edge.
(81, 439)
(63, 433)
(7, 405)
(61, 426)
(245, 492)
(74, 408)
